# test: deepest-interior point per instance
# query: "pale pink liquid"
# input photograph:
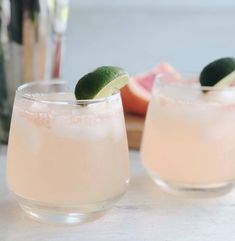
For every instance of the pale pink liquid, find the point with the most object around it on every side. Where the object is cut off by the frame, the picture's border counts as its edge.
(67, 155)
(189, 138)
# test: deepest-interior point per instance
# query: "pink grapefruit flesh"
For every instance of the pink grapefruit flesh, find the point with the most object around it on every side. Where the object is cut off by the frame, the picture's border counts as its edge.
(136, 95)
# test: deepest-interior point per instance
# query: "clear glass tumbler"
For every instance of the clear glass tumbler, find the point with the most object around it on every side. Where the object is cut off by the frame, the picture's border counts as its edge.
(188, 144)
(68, 160)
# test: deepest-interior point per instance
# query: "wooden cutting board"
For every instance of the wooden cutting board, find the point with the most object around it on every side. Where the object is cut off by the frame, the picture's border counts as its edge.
(134, 127)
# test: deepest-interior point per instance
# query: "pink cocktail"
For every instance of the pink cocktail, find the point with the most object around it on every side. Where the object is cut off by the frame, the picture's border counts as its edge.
(67, 159)
(189, 138)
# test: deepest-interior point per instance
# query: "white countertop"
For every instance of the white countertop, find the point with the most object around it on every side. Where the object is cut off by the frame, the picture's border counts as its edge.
(145, 213)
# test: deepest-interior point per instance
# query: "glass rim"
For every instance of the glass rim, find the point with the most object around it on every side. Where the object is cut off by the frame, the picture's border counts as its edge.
(178, 83)
(20, 91)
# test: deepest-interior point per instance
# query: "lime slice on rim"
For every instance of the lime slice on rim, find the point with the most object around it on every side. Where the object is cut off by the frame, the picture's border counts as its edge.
(219, 73)
(226, 81)
(100, 83)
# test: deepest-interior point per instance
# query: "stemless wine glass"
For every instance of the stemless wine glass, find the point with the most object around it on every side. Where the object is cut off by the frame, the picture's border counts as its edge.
(68, 160)
(188, 145)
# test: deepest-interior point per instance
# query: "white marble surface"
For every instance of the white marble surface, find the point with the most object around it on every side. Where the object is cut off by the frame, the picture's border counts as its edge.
(144, 214)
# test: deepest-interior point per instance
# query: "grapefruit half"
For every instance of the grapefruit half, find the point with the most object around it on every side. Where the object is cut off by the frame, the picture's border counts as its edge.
(136, 95)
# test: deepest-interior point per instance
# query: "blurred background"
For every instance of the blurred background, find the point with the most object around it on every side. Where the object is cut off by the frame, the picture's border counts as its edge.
(43, 39)
(138, 34)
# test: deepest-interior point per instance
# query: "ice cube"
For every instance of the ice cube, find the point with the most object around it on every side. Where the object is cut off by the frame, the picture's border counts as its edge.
(116, 125)
(28, 132)
(83, 128)
(39, 107)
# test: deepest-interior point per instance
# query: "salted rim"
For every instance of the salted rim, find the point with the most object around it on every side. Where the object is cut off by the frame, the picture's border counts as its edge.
(20, 91)
(184, 83)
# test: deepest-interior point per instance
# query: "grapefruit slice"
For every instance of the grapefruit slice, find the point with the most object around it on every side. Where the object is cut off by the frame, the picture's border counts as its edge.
(136, 95)
(135, 98)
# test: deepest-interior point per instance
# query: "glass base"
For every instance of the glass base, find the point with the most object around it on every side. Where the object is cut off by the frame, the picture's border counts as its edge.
(199, 191)
(194, 191)
(65, 215)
